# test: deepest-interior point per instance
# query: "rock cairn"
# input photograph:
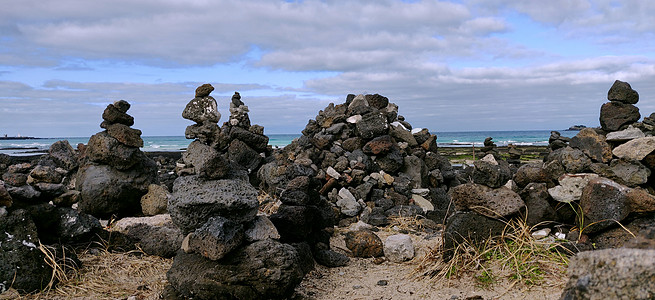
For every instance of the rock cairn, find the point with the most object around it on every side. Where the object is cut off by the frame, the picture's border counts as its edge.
(358, 160)
(557, 141)
(229, 251)
(35, 206)
(114, 174)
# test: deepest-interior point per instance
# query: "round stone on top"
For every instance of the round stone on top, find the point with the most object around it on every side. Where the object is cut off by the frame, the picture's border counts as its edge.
(622, 92)
(204, 90)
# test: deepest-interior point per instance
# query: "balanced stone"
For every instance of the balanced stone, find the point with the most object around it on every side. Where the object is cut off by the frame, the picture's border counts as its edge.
(201, 109)
(622, 92)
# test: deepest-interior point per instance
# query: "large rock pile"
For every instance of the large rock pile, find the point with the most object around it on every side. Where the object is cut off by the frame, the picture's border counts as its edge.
(114, 174)
(229, 252)
(358, 160)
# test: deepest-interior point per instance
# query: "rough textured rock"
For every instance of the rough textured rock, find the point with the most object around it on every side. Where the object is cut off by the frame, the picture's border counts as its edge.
(105, 191)
(630, 173)
(125, 135)
(155, 201)
(195, 200)
(500, 202)
(627, 134)
(532, 172)
(469, 226)
(398, 248)
(104, 149)
(593, 145)
(364, 243)
(262, 270)
(537, 206)
(636, 149)
(216, 238)
(261, 229)
(5, 198)
(21, 263)
(570, 187)
(616, 115)
(611, 274)
(491, 173)
(63, 155)
(202, 109)
(603, 203)
(622, 91)
(573, 160)
(155, 235)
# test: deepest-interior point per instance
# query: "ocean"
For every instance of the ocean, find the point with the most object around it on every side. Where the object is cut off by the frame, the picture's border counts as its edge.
(177, 143)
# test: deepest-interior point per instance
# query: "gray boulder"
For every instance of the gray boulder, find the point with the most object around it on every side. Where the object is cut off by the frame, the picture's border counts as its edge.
(195, 200)
(627, 134)
(616, 115)
(537, 207)
(202, 109)
(636, 149)
(622, 91)
(603, 202)
(630, 173)
(216, 238)
(611, 274)
(104, 149)
(125, 135)
(63, 155)
(593, 145)
(500, 202)
(398, 248)
(262, 270)
(471, 227)
(490, 172)
(372, 125)
(155, 235)
(155, 201)
(573, 160)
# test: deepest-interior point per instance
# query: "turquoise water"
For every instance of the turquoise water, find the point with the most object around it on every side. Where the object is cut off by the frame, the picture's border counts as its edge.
(177, 143)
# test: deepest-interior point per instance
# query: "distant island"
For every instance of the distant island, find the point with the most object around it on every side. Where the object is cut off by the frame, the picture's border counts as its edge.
(576, 128)
(5, 137)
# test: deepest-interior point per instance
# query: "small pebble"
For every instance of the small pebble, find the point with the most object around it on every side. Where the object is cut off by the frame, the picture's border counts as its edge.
(357, 287)
(382, 282)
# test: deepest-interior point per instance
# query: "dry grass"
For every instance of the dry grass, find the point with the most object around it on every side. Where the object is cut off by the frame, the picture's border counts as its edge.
(405, 223)
(514, 255)
(107, 275)
(268, 204)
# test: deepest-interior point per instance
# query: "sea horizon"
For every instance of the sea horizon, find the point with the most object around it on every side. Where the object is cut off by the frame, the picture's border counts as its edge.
(278, 140)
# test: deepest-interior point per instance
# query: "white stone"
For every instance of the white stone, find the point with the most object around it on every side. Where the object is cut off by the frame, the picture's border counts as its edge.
(396, 124)
(635, 149)
(416, 130)
(359, 100)
(540, 234)
(347, 203)
(630, 133)
(423, 203)
(124, 224)
(359, 226)
(399, 248)
(570, 187)
(422, 192)
(490, 159)
(185, 243)
(333, 173)
(560, 235)
(354, 119)
(262, 228)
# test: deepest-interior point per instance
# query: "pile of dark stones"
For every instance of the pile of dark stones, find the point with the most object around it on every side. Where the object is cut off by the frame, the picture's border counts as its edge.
(114, 173)
(356, 161)
(36, 199)
(229, 252)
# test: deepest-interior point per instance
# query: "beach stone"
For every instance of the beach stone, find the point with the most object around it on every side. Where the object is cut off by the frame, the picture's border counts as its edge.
(206, 161)
(425, 204)
(570, 187)
(155, 201)
(603, 203)
(500, 202)
(45, 174)
(491, 173)
(469, 226)
(391, 162)
(378, 145)
(23, 168)
(63, 224)
(202, 109)
(401, 134)
(125, 135)
(24, 193)
(5, 197)
(627, 134)
(330, 258)
(104, 149)
(22, 265)
(622, 91)
(204, 90)
(636, 149)
(347, 203)
(377, 101)
(538, 209)
(615, 115)
(113, 115)
(105, 191)
(50, 190)
(593, 145)
(243, 155)
(258, 142)
(261, 270)
(155, 235)
(261, 229)
(573, 160)
(372, 125)
(398, 248)
(63, 155)
(296, 223)
(640, 200)
(207, 132)
(531, 172)
(364, 243)
(630, 173)
(611, 274)
(14, 179)
(195, 200)
(216, 238)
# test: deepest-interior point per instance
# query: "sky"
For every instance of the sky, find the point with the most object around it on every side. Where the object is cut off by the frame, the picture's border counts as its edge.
(465, 65)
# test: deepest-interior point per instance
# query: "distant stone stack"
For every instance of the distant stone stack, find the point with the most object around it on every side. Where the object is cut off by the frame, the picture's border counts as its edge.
(355, 161)
(620, 111)
(557, 141)
(229, 251)
(114, 173)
